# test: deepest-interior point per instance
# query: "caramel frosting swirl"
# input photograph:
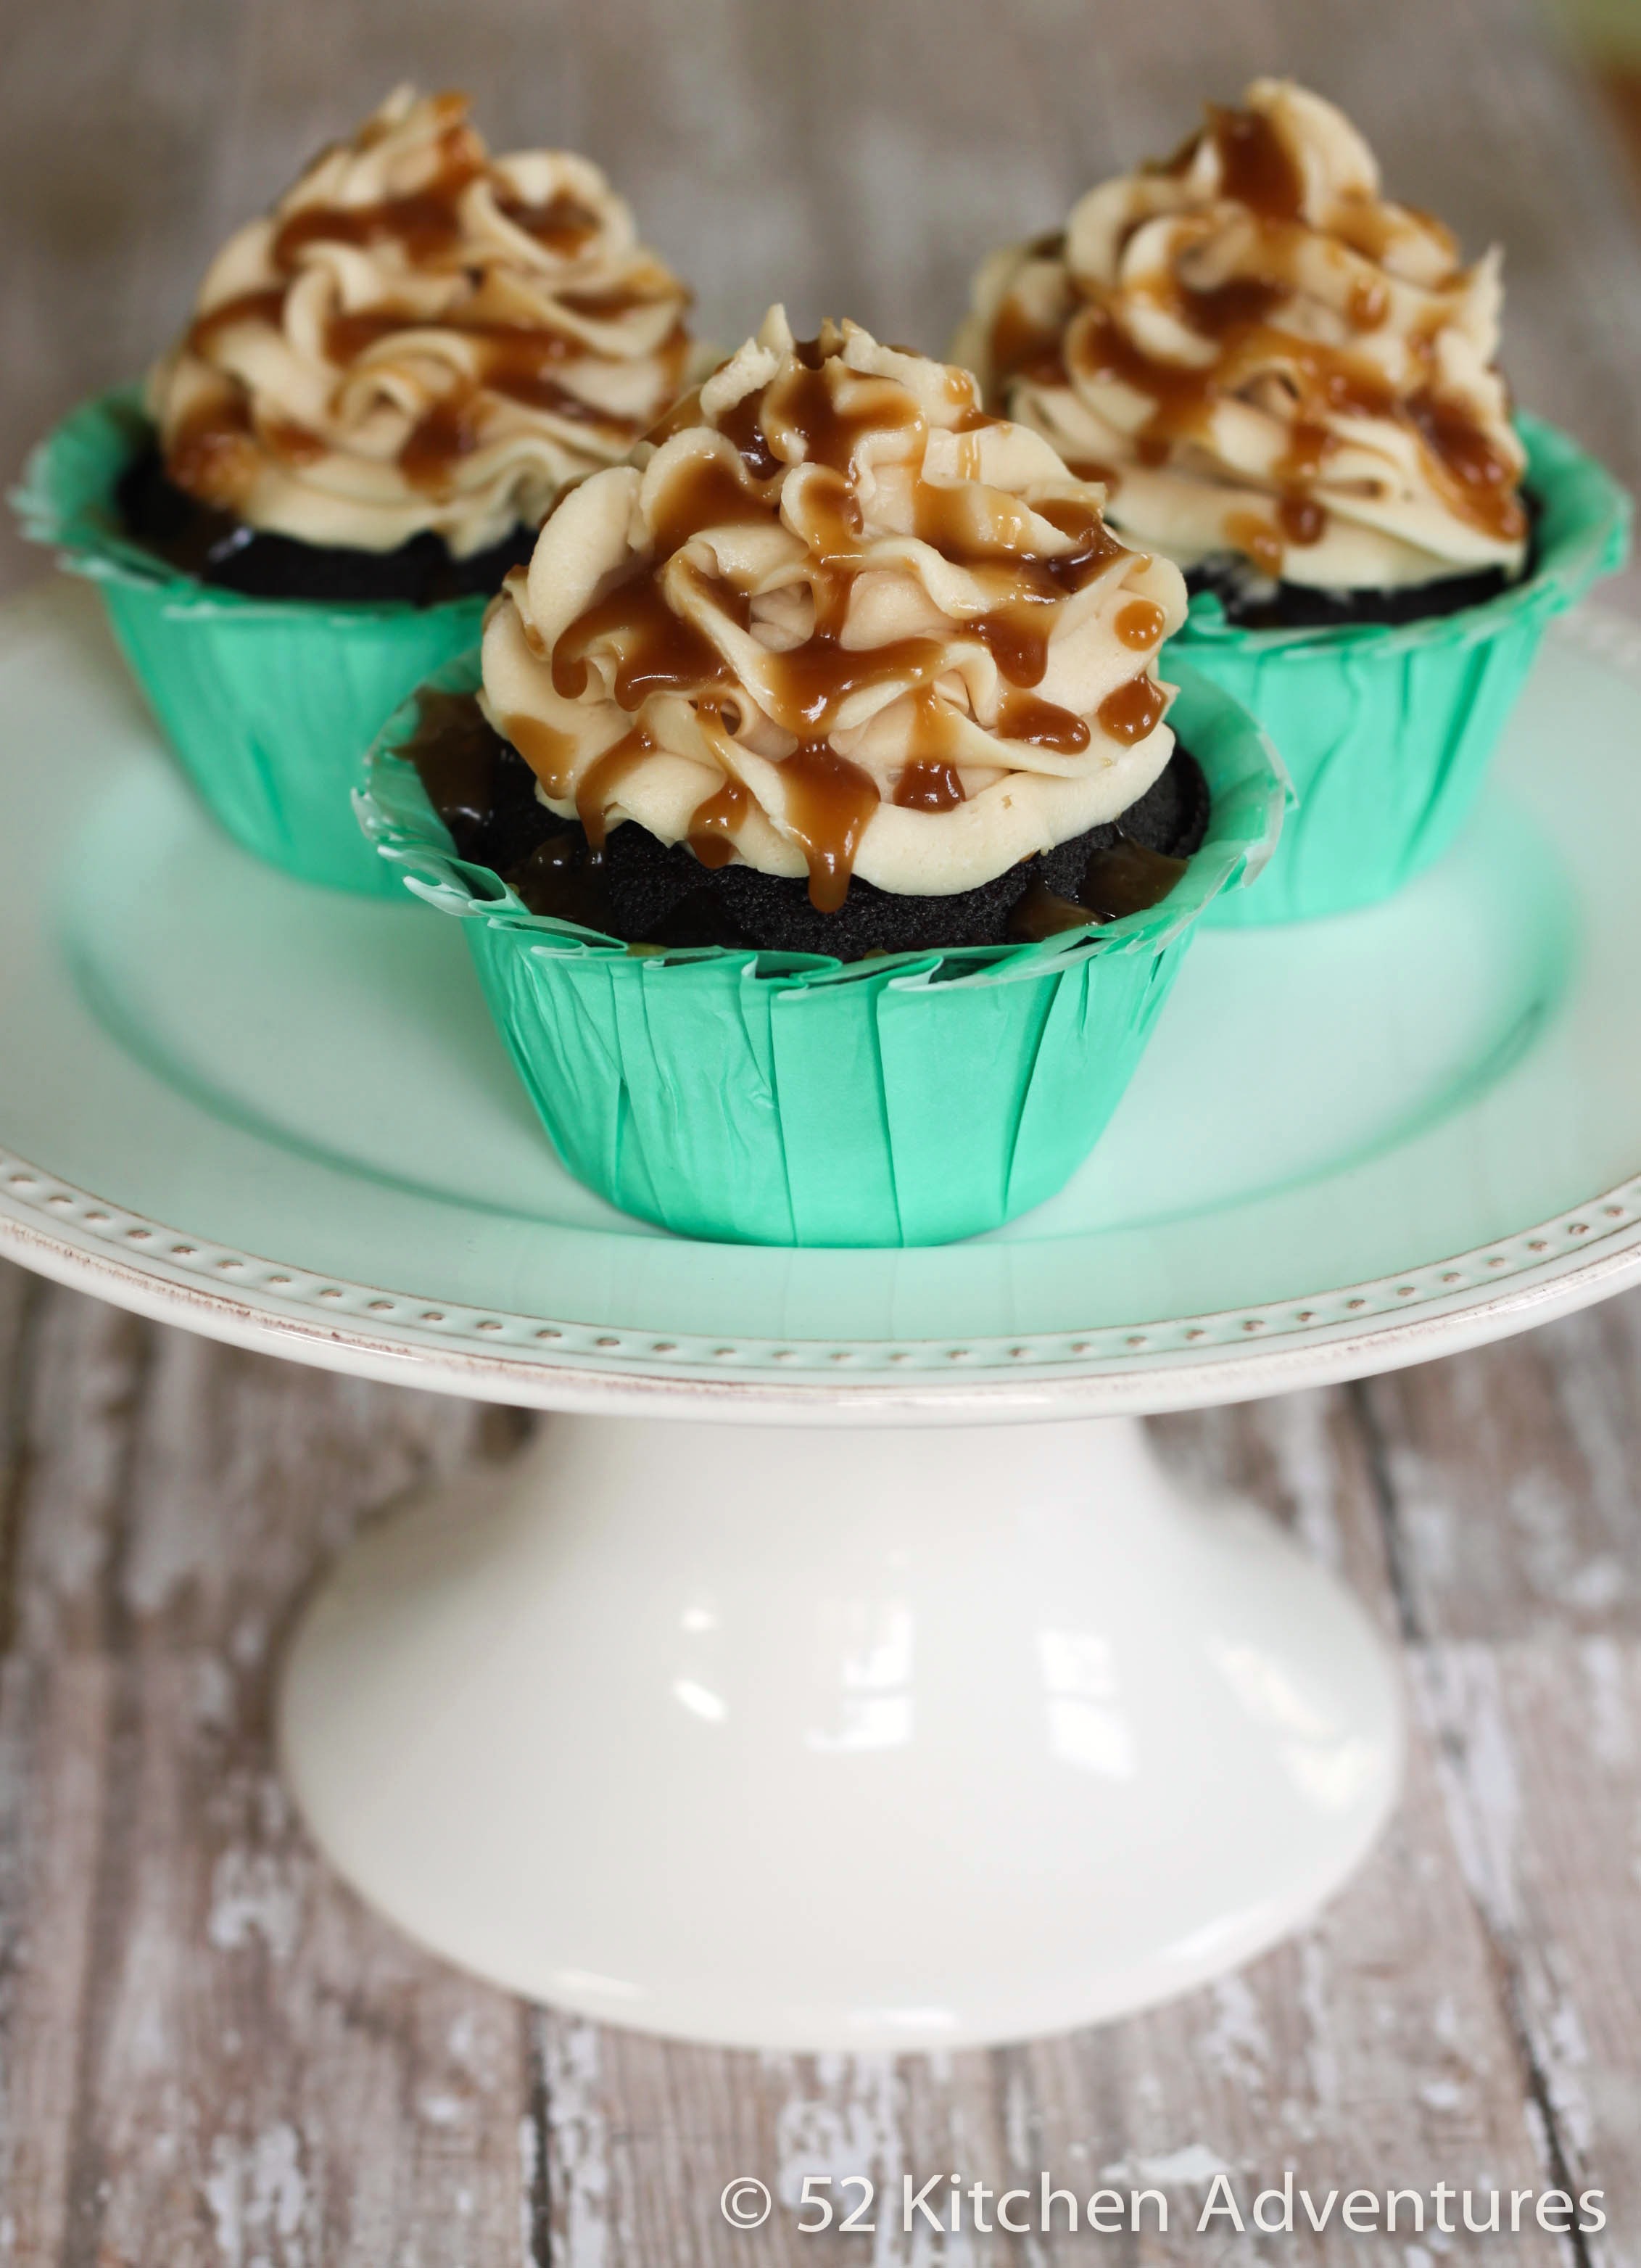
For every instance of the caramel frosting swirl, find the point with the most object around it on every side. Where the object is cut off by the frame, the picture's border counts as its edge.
(1261, 355)
(832, 619)
(420, 336)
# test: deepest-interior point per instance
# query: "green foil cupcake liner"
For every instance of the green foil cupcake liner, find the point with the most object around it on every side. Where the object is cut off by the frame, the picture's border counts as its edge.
(1386, 730)
(786, 1099)
(269, 704)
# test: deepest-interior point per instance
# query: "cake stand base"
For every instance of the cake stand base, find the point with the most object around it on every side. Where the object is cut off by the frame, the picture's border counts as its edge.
(839, 1739)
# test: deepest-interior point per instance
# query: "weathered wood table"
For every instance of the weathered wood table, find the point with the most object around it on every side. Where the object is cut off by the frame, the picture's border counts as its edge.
(208, 2052)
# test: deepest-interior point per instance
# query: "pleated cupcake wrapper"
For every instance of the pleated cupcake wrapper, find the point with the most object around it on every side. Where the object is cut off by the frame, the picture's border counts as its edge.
(269, 704)
(1387, 729)
(790, 1098)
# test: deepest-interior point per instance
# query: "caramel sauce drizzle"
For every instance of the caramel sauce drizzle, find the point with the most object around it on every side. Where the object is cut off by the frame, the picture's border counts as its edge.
(1259, 538)
(829, 801)
(1242, 317)
(517, 361)
(599, 787)
(1256, 166)
(928, 784)
(803, 416)
(549, 753)
(1124, 879)
(1139, 623)
(1133, 710)
(455, 754)
(1042, 725)
(712, 824)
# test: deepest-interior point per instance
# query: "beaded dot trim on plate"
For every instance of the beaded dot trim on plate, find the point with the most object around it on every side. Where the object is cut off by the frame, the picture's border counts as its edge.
(40, 1206)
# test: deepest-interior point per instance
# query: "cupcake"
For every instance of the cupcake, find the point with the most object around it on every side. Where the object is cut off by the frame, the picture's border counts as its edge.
(386, 381)
(827, 842)
(1287, 384)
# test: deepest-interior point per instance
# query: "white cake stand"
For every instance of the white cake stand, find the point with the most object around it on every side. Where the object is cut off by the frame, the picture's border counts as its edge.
(788, 1694)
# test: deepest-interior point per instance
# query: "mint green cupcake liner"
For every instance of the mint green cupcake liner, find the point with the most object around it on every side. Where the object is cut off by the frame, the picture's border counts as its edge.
(788, 1099)
(269, 704)
(1386, 730)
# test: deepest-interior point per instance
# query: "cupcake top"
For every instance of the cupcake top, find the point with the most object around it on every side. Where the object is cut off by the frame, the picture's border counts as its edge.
(1260, 354)
(831, 618)
(420, 336)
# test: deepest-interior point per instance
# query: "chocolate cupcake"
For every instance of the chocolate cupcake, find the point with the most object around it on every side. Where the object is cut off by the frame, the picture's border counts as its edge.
(1286, 383)
(839, 684)
(387, 380)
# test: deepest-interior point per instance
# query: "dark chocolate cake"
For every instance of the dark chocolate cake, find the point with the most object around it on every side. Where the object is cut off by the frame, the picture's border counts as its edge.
(1253, 601)
(649, 893)
(217, 548)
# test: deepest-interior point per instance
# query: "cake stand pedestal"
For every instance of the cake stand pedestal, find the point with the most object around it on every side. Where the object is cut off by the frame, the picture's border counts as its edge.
(843, 1739)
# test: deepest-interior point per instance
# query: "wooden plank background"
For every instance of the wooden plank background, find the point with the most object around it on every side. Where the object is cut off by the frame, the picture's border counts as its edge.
(210, 2055)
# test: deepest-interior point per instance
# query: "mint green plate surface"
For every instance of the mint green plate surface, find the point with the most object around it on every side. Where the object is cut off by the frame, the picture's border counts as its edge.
(283, 1116)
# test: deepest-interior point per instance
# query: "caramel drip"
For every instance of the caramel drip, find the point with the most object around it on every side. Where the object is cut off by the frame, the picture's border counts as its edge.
(1475, 470)
(1309, 446)
(713, 823)
(1369, 304)
(811, 684)
(1261, 541)
(829, 801)
(1302, 519)
(550, 753)
(440, 441)
(804, 400)
(704, 494)
(292, 442)
(349, 337)
(1256, 168)
(1227, 309)
(1092, 548)
(244, 308)
(1017, 637)
(1124, 879)
(963, 392)
(656, 650)
(458, 757)
(1133, 710)
(1016, 632)
(561, 877)
(741, 423)
(606, 305)
(427, 227)
(563, 225)
(930, 780)
(1041, 913)
(213, 453)
(1042, 725)
(454, 752)
(928, 784)
(1139, 623)
(599, 787)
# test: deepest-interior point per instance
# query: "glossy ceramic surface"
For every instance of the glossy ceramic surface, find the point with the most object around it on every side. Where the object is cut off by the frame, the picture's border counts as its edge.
(283, 1116)
(853, 1740)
